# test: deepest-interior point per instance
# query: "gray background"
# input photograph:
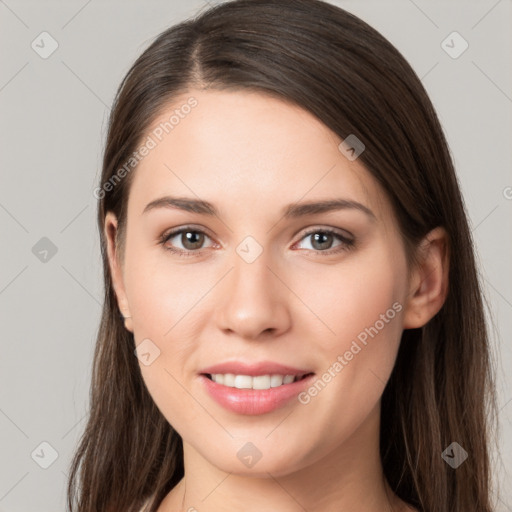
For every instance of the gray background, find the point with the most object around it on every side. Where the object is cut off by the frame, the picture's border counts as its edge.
(52, 128)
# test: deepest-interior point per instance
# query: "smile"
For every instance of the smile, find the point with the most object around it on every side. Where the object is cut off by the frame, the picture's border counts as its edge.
(253, 382)
(254, 395)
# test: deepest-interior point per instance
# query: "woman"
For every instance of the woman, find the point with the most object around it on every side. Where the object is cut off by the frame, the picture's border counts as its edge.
(292, 318)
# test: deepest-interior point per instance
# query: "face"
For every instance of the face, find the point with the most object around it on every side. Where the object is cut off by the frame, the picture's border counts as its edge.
(261, 282)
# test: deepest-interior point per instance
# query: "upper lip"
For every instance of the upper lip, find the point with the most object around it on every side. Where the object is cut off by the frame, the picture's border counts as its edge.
(254, 369)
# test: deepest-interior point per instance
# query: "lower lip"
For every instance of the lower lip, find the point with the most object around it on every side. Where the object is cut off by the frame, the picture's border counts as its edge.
(254, 401)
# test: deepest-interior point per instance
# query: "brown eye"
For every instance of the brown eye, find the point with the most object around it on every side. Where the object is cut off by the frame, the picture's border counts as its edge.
(323, 239)
(184, 241)
(192, 239)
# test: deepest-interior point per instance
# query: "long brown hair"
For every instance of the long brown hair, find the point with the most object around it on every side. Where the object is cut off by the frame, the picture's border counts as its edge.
(331, 63)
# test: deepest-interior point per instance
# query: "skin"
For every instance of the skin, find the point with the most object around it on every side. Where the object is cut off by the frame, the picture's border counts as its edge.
(251, 155)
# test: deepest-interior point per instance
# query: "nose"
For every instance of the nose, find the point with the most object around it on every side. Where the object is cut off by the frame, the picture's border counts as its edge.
(252, 301)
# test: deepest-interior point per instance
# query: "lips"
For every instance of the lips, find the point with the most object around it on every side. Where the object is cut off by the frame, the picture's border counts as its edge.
(252, 401)
(259, 400)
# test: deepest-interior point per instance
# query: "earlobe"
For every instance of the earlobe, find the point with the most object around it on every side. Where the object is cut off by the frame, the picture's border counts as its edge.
(429, 280)
(116, 270)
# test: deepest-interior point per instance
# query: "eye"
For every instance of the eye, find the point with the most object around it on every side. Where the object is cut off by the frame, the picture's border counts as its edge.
(323, 240)
(190, 238)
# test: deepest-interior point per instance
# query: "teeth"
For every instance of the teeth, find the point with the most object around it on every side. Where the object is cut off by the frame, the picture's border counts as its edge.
(249, 382)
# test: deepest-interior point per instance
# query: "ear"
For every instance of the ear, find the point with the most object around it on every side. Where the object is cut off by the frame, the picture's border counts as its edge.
(116, 269)
(429, 280)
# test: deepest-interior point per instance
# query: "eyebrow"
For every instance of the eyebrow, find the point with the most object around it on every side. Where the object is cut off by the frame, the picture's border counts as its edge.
(291, 211)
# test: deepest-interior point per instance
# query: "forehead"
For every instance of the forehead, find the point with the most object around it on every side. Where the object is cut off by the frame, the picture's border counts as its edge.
(248, 149)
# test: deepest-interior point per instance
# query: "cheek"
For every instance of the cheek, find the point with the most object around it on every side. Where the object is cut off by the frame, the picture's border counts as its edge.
(353, 298)
(161, 294)
(162, 303)
(165, 303)
(175, 401)
(361, 304)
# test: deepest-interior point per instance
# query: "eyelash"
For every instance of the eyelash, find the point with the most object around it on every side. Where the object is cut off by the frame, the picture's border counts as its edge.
(347, 244)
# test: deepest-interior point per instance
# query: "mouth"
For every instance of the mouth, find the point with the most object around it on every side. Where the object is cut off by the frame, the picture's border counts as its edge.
(255, 394)
(256, 382)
